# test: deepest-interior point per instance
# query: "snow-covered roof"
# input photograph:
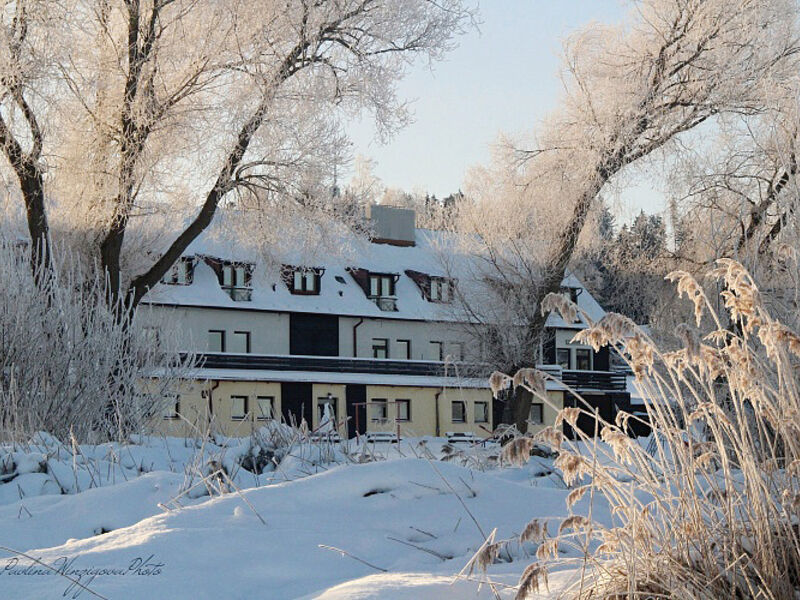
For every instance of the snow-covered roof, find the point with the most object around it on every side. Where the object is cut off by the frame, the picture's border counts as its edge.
(340, 294)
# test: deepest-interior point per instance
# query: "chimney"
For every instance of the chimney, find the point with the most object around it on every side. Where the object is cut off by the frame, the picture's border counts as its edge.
(390, 225)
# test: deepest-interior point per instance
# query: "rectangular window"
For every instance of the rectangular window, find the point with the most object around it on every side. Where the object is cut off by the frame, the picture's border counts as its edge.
(173, 409)
(381, 285)
(305, 281)
(181, 273)
(216, 340)
(563, 357)
(437, 350)
(403, 410)
(236, 281)
(238, 407)
(330, 402)
(456, 352)
(537, 413)
(380, 348)
(266, 408)
(240, 342)
(378, 410)
(458, 410)
(441, 289)
(151, 335)
(404, 349)
(481, 412)
(583, 360)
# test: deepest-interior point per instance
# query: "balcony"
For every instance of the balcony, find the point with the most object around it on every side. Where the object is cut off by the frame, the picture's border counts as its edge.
(385, 303)
(212, 360)
(239, 294)
(594, 380)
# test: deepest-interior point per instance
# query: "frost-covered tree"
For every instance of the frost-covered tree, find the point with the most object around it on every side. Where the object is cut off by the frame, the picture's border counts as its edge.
(630, 91)
(67, 365)
(138, 118)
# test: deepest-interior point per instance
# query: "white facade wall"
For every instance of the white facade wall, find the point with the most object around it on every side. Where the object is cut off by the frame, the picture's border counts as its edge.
(269, 332)
(419, 333)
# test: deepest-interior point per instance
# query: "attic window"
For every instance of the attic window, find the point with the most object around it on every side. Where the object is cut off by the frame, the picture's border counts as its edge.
(378, 287)
(303, 281)
(382, 291)
(181, 273)
(433, 288)
(381, 285)
(236, 280)
(441, 289)
(572, 293)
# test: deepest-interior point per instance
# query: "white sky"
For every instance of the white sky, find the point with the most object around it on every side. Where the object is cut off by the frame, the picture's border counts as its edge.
(501, 78)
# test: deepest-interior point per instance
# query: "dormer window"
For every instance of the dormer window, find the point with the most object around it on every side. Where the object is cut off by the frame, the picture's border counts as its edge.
(302, 280)
(572, 293)
(378, 287)
(181, 273)
(236, 280)
(441, 289)
(381, 286)
(433, 288)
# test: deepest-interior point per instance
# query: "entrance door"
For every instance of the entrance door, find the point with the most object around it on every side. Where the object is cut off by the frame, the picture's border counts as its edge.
(296, 403)
(356, 398)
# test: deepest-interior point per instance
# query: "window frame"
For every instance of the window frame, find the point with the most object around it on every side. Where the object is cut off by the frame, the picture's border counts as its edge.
(407, 353)
(221, 340)
(440, 290)
(441, 349)
(180, 273)
(585, 352)
(246, 401)
(485, 406)
(382, 285)
(236, 280)
(403, 402)
(260, 415)
(453, 404)
(383, 405)
(305, 282)
(248, 337)
(568, 352)
(176, 409)
(379, 344)
(540, 406)
(328, 399)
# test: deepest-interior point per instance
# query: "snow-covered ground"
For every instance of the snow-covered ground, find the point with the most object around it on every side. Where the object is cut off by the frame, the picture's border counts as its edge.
(330, 522)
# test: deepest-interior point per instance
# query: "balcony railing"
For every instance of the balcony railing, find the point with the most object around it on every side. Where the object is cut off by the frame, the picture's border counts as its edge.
(239, 294)
(385, 303)
(335, 364)
(577, 380)
(594, 380)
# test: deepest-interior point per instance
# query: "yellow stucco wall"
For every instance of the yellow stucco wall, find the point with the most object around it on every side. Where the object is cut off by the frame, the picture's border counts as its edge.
(431, 410)
(429, 415)
(550, 410)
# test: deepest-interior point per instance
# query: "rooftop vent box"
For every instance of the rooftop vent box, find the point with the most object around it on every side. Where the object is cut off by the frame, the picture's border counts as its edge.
(391, 225)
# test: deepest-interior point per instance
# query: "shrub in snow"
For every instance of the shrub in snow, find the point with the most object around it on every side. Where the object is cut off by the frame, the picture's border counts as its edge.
(68, 364)
(710, 507)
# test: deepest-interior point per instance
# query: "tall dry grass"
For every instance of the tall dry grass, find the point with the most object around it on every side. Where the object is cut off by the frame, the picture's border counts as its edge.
(712, 510)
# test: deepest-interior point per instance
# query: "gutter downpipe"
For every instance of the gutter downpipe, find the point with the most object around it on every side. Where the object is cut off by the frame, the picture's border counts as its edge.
(214, 385)
(355, 337)
(436, 397)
